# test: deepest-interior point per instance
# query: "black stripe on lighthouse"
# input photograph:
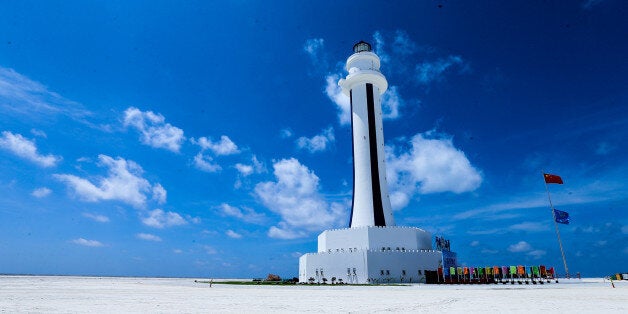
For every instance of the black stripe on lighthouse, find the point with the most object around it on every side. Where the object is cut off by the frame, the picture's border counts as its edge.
(378, 208)
(352, 156)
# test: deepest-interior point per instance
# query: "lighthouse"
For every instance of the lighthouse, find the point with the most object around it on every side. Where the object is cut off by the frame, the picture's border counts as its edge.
(373, 249)
(364, 85)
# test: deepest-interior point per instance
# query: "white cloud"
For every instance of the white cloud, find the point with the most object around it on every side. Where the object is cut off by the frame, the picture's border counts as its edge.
(624, 229)
(209, 250)
(285, 133)
(379, 47)
(318, 143)
(26, 149)
(161, 219)
(313, 47)
(19, 94)
(177, 251)
(243, 169)
(39, 133)
(205, 163)
(85, 242)
(391, 102)
(295, 197)
(402, 44)
(530, 226)
(148, 237)
(123, 183)
(245, 214)
(428, 72)
(223, 147)
(284, 232)
(537, 253)
(232, 234)
(334, 92)
(521, 246)
(159, 193)
(97, 218)
(474, 243)
(430, 165)
(155, 132)
(255, 167)
(41, 192)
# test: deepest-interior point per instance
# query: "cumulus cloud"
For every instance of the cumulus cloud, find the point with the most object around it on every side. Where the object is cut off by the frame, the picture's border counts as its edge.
(154, 131)
(334, 92)
(247, 169)
(521, 246)
(85, 242)
(232, 234)
(97, 218)
(431, 164)
(205, 163)
(225, 146)
(317, 143)
(21, 95)
(25, 148)
(159, 193)
(428, 72)
(159, 218)
(245, 214)
(295, 197)
(124, 182)
(41, 192)
(148, 237)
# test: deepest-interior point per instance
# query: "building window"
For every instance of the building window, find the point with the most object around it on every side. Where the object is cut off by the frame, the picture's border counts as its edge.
(354, 271)
(388, 272)
(420, 272)
(348, 271)
(388, 248)
(403, 273)
(397, 249)
(381, 272)
(383, 248)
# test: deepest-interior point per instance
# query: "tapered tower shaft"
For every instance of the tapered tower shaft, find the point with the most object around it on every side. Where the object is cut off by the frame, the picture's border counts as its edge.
(364, 85)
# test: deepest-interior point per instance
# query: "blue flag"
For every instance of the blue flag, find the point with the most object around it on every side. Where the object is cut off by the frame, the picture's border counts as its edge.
(561, 216)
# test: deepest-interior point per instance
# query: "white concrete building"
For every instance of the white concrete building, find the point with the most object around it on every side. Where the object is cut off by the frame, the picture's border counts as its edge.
(373, 249)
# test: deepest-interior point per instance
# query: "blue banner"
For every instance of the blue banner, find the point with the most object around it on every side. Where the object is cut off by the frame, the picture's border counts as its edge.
(561, 216)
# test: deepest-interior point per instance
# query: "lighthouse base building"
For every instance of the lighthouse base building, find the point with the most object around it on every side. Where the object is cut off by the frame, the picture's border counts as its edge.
(370, 255)
(373, 249)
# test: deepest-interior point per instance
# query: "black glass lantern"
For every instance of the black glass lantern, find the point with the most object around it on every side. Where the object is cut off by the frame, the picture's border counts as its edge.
(361, 46)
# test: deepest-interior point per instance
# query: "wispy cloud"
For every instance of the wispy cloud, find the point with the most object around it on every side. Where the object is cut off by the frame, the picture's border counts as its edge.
(124, 182)
(159, 218)
(530, 226)
(97, 218)
(154, 131)
(245, 214)
(428, 72)
(313, 47)
(41, 192)
(85, 242)
(21, 95)
(318, 143)
(391, 103)
(25, 148)
(295, 197)
(148, 237)
(589, 4)
(206, 163)
(256, 166)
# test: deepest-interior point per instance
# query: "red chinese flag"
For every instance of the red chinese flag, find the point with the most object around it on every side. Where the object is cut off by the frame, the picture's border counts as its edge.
(552, 178)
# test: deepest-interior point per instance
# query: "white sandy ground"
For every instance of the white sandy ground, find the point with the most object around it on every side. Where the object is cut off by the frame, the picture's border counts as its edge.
(50, 294)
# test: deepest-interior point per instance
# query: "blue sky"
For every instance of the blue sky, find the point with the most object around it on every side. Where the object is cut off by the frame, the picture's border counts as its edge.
(210, 139)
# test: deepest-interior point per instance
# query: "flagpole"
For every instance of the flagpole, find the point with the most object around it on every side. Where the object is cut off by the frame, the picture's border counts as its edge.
(560, 243)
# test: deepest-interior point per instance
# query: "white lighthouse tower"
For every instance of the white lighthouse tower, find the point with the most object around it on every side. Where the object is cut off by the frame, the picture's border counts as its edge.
(372, 249)
(364, 85)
